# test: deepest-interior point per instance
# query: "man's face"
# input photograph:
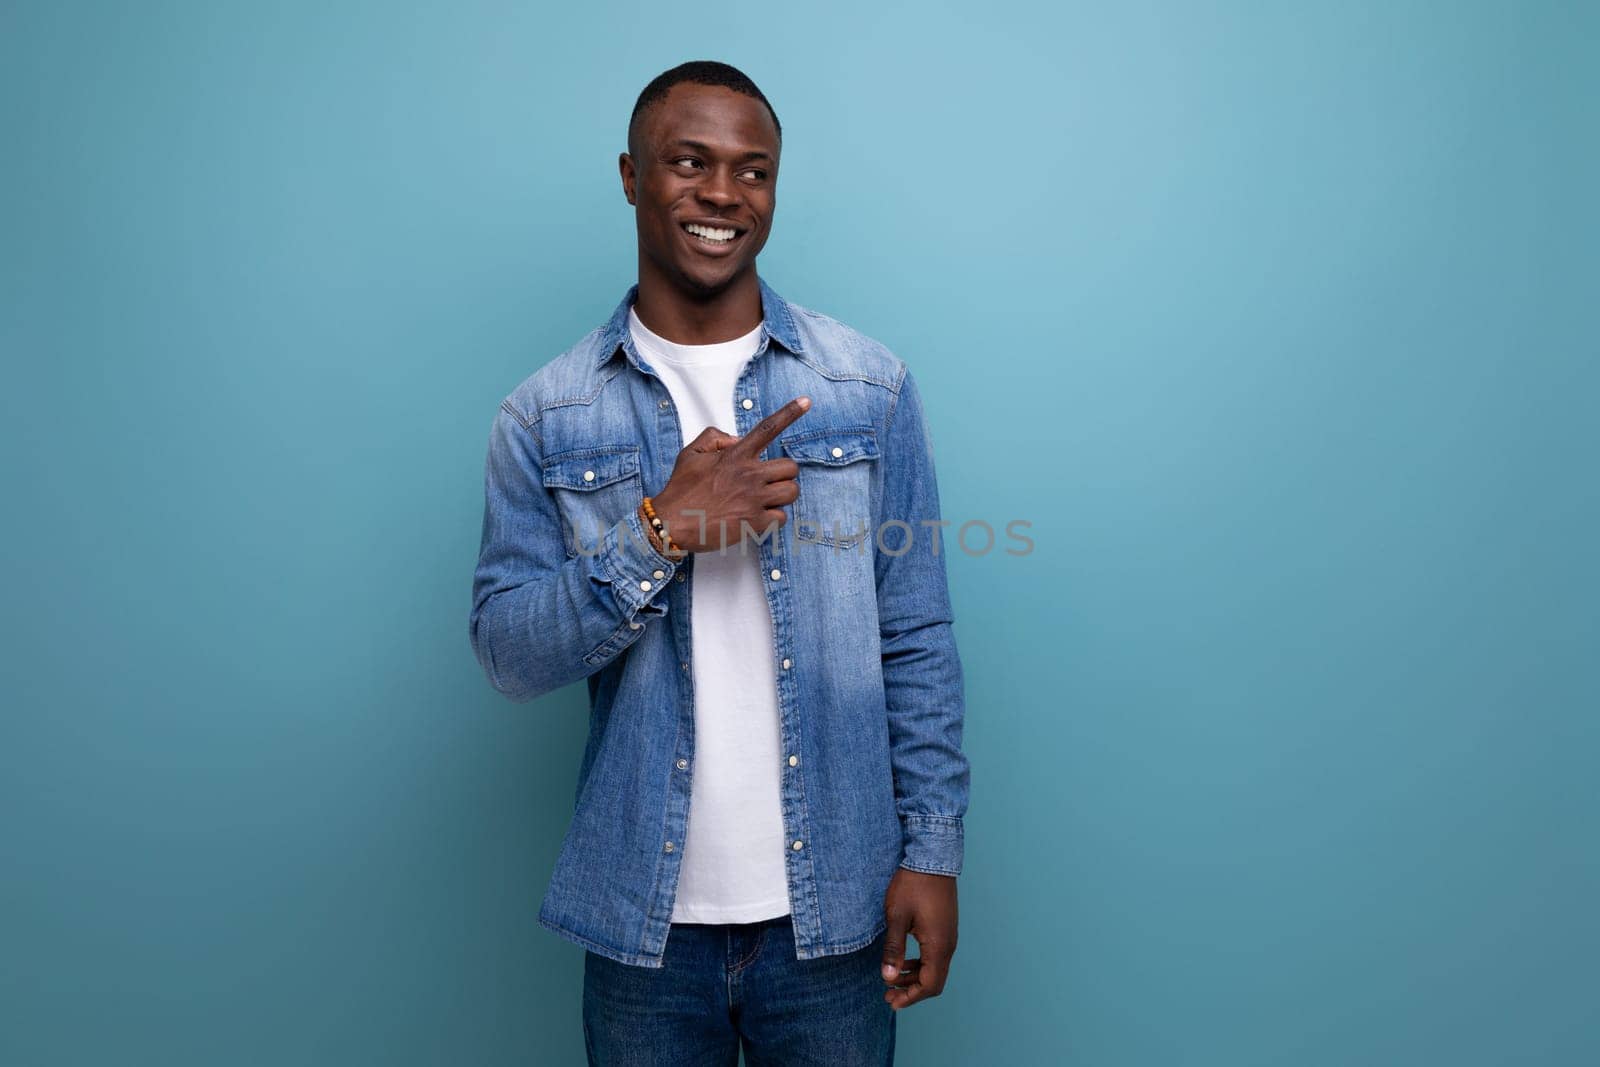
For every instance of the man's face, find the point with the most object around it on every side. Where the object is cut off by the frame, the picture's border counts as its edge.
(707, 158)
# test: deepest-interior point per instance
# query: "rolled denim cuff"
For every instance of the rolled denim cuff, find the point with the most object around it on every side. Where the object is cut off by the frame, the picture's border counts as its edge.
(637, 572)
(933, 844)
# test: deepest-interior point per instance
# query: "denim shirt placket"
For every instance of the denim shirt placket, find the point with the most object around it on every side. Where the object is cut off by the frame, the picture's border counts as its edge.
(804, 909)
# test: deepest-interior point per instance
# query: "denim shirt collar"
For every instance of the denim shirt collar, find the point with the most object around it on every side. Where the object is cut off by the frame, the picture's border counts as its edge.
(777, 320)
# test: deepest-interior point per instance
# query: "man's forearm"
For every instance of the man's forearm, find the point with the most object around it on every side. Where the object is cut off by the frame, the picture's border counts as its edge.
(561, 626)
(923, 691)
(540, 618)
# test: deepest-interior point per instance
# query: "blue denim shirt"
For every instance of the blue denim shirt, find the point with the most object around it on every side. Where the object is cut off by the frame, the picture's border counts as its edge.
(869, 683)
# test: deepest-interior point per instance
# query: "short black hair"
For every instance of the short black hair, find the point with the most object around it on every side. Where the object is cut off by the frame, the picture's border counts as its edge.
(698, 72)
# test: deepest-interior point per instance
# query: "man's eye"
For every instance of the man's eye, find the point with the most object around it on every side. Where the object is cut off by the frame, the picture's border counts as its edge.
(687, 161)
(758, 175)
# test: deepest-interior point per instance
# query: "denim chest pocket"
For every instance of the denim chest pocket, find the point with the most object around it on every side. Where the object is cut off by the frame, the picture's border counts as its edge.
(593, 488)
(836, 465)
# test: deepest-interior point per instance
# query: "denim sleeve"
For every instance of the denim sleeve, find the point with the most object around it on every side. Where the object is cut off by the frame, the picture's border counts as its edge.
(921, 668)
(541, 619)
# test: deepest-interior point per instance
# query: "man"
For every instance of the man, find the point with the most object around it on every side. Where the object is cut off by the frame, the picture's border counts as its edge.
(772, 793)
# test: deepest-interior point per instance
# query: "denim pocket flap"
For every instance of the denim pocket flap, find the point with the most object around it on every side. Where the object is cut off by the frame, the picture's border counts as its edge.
(834, 448)
(591, 468)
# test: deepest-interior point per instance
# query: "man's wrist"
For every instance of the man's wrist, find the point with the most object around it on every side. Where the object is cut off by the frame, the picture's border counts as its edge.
(659, 540)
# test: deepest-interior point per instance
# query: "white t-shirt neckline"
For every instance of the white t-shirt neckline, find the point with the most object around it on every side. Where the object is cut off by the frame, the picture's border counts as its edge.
(692, 355)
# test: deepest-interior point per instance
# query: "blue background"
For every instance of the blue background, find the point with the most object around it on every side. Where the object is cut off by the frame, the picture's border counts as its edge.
(1275, 321)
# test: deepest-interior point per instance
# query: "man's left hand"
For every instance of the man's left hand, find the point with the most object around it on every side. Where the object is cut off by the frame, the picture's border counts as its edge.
(923, 905)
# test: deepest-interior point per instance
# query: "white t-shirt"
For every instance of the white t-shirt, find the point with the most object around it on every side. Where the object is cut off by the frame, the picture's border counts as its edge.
(732, 868)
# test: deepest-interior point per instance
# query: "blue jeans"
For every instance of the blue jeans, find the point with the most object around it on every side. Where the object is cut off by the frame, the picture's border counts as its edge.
(723, 985)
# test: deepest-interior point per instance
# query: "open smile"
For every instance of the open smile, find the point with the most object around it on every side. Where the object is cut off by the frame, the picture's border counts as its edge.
(713, 238)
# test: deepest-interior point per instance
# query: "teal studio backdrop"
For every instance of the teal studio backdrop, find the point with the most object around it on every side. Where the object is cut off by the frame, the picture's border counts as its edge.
(1274, 321)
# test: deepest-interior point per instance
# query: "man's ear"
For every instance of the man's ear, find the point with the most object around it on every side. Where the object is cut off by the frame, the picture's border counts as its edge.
(625, 166)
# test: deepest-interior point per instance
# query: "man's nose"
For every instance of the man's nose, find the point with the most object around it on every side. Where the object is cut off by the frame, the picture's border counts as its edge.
(717, 189)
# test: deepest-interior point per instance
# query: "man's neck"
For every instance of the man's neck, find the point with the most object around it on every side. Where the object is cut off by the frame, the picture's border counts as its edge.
(725, 315)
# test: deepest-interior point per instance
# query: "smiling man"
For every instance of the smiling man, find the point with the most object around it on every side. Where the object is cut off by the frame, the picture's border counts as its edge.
(772, 793)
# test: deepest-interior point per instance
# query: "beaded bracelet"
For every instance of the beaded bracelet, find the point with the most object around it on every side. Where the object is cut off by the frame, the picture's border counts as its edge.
(659, 538)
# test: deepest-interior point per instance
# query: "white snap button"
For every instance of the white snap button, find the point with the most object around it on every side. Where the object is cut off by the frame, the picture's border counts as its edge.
(635, 625)
(776, 574)
(798, 845)
(661, 574)
(748, 403)
(682, 764)
(794, 761)
(664, 403)
(588, 476)
(787, 663)
(837, 452)
(669, 846)
(645, 586)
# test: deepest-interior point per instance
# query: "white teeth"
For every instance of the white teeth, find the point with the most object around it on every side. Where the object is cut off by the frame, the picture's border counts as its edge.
(710, 233)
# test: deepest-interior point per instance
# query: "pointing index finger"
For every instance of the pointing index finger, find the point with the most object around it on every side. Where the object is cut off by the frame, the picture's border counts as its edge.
(765, 431)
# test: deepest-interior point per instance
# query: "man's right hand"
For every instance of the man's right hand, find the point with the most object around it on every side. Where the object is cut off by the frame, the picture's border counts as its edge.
(725, 478)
